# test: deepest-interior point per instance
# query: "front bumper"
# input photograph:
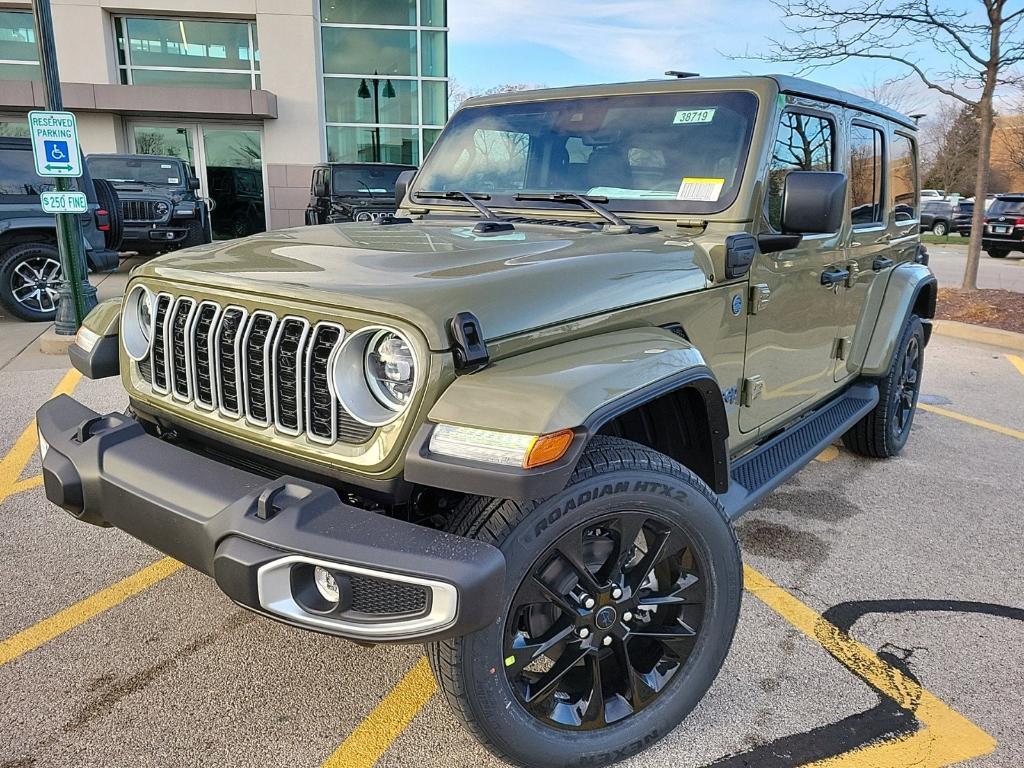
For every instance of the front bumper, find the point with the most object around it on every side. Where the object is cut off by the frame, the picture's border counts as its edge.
(260, 539)
(149, 236)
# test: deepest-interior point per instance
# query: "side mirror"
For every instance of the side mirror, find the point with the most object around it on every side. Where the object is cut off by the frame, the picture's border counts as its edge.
(193, 183)
(813, 203)
(402, 186)
(320, 189)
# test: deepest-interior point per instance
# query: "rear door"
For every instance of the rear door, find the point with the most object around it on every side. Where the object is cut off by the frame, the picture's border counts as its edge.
(792, 326)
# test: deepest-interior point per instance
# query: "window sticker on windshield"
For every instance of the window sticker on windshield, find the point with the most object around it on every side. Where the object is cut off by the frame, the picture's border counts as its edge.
(173, 180)
(701, 190)
(166, 165)
(694, 116)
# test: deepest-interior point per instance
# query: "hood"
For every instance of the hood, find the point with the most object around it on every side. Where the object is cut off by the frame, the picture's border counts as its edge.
(426, 272)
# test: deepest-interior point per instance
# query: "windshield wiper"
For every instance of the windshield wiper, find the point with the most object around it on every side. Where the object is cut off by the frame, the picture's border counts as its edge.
(591, 202)
(367, 188)
(473, 198)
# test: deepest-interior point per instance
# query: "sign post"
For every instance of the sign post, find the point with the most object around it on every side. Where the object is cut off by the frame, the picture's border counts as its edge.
(57, 154)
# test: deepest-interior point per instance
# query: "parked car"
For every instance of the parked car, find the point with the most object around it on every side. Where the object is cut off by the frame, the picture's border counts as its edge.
(30, 270)
(937, 216)
(1004, 226)
(240, 207)
(517, 420)
(160, 205)
(963, 218)
(933, 194)
(353, 192)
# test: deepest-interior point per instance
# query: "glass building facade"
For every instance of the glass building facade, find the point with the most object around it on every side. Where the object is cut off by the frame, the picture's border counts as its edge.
(19, 58)
(385, 78)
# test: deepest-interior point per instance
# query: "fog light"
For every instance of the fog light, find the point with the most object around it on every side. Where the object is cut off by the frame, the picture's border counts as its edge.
(326, 585)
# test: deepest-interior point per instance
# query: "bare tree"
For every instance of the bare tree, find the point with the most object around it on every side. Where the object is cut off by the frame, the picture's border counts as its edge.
(953, 139)
(981, 47)
(895, 93)
(1011, 137)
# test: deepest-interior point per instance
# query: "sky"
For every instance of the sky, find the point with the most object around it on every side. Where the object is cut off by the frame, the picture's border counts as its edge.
(570, 42)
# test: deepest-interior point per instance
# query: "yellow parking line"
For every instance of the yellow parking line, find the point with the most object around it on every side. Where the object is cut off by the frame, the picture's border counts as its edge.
(79, 613)
(947, 737)
(973, 421)
(375, 735)
(1018, 363)
(13, 464)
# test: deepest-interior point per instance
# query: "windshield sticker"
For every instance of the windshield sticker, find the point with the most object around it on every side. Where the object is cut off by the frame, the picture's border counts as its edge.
(166, 165)
(694, 116)
(173, 180)
(701, 190)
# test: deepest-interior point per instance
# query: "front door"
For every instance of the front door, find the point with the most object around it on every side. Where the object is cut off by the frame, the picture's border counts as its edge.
(791, 330)
(227, 160)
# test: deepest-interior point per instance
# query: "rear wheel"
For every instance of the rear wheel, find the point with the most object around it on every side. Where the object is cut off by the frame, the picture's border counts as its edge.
(885, 430)
(940, 228)
(30, 279)
(996, 253)
(621, 600)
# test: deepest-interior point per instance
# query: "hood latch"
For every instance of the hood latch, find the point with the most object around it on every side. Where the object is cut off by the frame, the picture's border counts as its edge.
(468, 346)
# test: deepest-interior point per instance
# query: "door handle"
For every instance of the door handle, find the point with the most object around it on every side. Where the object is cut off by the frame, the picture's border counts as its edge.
(834, 276)
(879, 264)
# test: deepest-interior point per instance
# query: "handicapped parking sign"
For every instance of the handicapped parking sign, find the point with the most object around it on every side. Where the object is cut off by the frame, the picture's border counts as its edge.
(55, 143)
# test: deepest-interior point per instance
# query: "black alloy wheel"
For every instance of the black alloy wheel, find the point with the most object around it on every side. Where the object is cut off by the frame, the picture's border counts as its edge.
(605, 621)
(908, 385)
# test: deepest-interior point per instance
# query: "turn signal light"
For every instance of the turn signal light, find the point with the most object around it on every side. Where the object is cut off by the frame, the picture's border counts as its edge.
(549, 448)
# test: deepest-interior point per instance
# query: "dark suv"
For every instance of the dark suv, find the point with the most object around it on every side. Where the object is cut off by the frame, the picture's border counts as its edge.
(30, 272)
(1004, 226)
(937, 216)
(353, 192)
(159, 201)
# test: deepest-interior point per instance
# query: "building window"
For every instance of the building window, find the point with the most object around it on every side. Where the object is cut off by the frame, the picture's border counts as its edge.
(19, 56)
(385, 65)
(187, 52)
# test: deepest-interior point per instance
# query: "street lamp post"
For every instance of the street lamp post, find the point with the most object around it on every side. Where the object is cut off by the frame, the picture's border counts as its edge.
(77, 296)
(365, 93)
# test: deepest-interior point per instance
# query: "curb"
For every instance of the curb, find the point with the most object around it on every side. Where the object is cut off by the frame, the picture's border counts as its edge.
(997, 337)
(52, 343)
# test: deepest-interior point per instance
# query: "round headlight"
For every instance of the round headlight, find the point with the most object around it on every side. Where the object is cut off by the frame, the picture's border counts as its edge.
(390, 369)
(137, 322)
(161, 208)
(375, 375)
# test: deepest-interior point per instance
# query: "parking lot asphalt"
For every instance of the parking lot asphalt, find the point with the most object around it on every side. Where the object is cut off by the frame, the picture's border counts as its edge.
(948, 263)
(883, 623)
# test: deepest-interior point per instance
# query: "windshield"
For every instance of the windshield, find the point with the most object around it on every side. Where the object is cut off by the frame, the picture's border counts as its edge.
(140, 170)
(672, 152)
(365, 180)
(1007, 207)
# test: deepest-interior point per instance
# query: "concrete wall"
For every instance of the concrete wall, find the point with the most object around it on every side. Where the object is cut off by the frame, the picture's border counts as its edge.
(288, 193)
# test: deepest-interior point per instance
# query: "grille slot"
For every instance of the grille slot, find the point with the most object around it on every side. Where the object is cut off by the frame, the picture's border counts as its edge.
(228, 370)
(255, 365)
(139, 210)
(289, 356)
(270, 371)
(179, 347)
(381, 596)
(203, 344)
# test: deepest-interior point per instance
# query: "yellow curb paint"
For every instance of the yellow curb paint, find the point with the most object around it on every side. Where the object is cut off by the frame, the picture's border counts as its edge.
(13, 464)
(1017, 362)
(79, 613)
(375, 735)
(972, 421)
(946, 736)
(829, 454)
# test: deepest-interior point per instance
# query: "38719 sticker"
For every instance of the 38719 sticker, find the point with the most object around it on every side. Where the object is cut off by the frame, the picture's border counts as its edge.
(700, 190)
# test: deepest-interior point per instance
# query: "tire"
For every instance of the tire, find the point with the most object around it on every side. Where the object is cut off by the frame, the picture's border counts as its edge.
(618, 486)
(997, 254)
(106, 197)
(884, 431)
(30, 276)
(197, 235)
(940, 229)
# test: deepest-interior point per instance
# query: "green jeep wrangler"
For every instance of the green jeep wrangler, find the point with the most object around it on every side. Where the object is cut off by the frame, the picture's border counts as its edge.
(517, 421)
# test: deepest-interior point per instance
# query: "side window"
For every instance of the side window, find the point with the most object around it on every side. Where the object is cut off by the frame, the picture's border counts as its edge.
(805, 143)
(313, 181)
(903, 178)
(866, 173)
(18, 174)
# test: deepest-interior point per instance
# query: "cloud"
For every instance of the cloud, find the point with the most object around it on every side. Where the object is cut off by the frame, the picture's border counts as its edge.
(635, 37)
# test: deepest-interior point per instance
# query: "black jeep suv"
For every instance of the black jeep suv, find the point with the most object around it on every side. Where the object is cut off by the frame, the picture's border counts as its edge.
(30, 272)
(1004, 226)
(159, 201)
(353, 192)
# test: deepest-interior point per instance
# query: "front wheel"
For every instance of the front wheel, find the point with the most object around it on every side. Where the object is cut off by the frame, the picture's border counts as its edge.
(621, 601)
(30, 280)
(940, 228)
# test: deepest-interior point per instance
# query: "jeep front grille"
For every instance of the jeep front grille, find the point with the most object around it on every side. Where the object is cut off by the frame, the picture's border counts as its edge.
(271, 371)
(139, 211)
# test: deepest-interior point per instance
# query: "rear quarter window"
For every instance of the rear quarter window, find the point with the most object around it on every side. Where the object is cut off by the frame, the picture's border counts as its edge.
(18, 175)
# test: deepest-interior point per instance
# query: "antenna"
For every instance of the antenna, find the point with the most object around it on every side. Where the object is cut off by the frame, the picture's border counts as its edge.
(918, 117)
(681, 75)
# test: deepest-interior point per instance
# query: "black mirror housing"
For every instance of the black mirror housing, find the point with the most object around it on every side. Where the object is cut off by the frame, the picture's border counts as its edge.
(320, 189)
(402, 186)
(813, 202)
(193, 183)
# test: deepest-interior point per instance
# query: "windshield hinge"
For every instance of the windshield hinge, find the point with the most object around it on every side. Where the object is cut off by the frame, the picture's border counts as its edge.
(694, 223)
(468, 347)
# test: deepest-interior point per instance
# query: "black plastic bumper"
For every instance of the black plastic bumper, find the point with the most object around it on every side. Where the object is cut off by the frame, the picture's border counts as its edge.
(235, 525)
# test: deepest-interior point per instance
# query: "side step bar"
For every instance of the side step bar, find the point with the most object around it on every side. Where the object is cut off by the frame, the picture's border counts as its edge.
(756, 474)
